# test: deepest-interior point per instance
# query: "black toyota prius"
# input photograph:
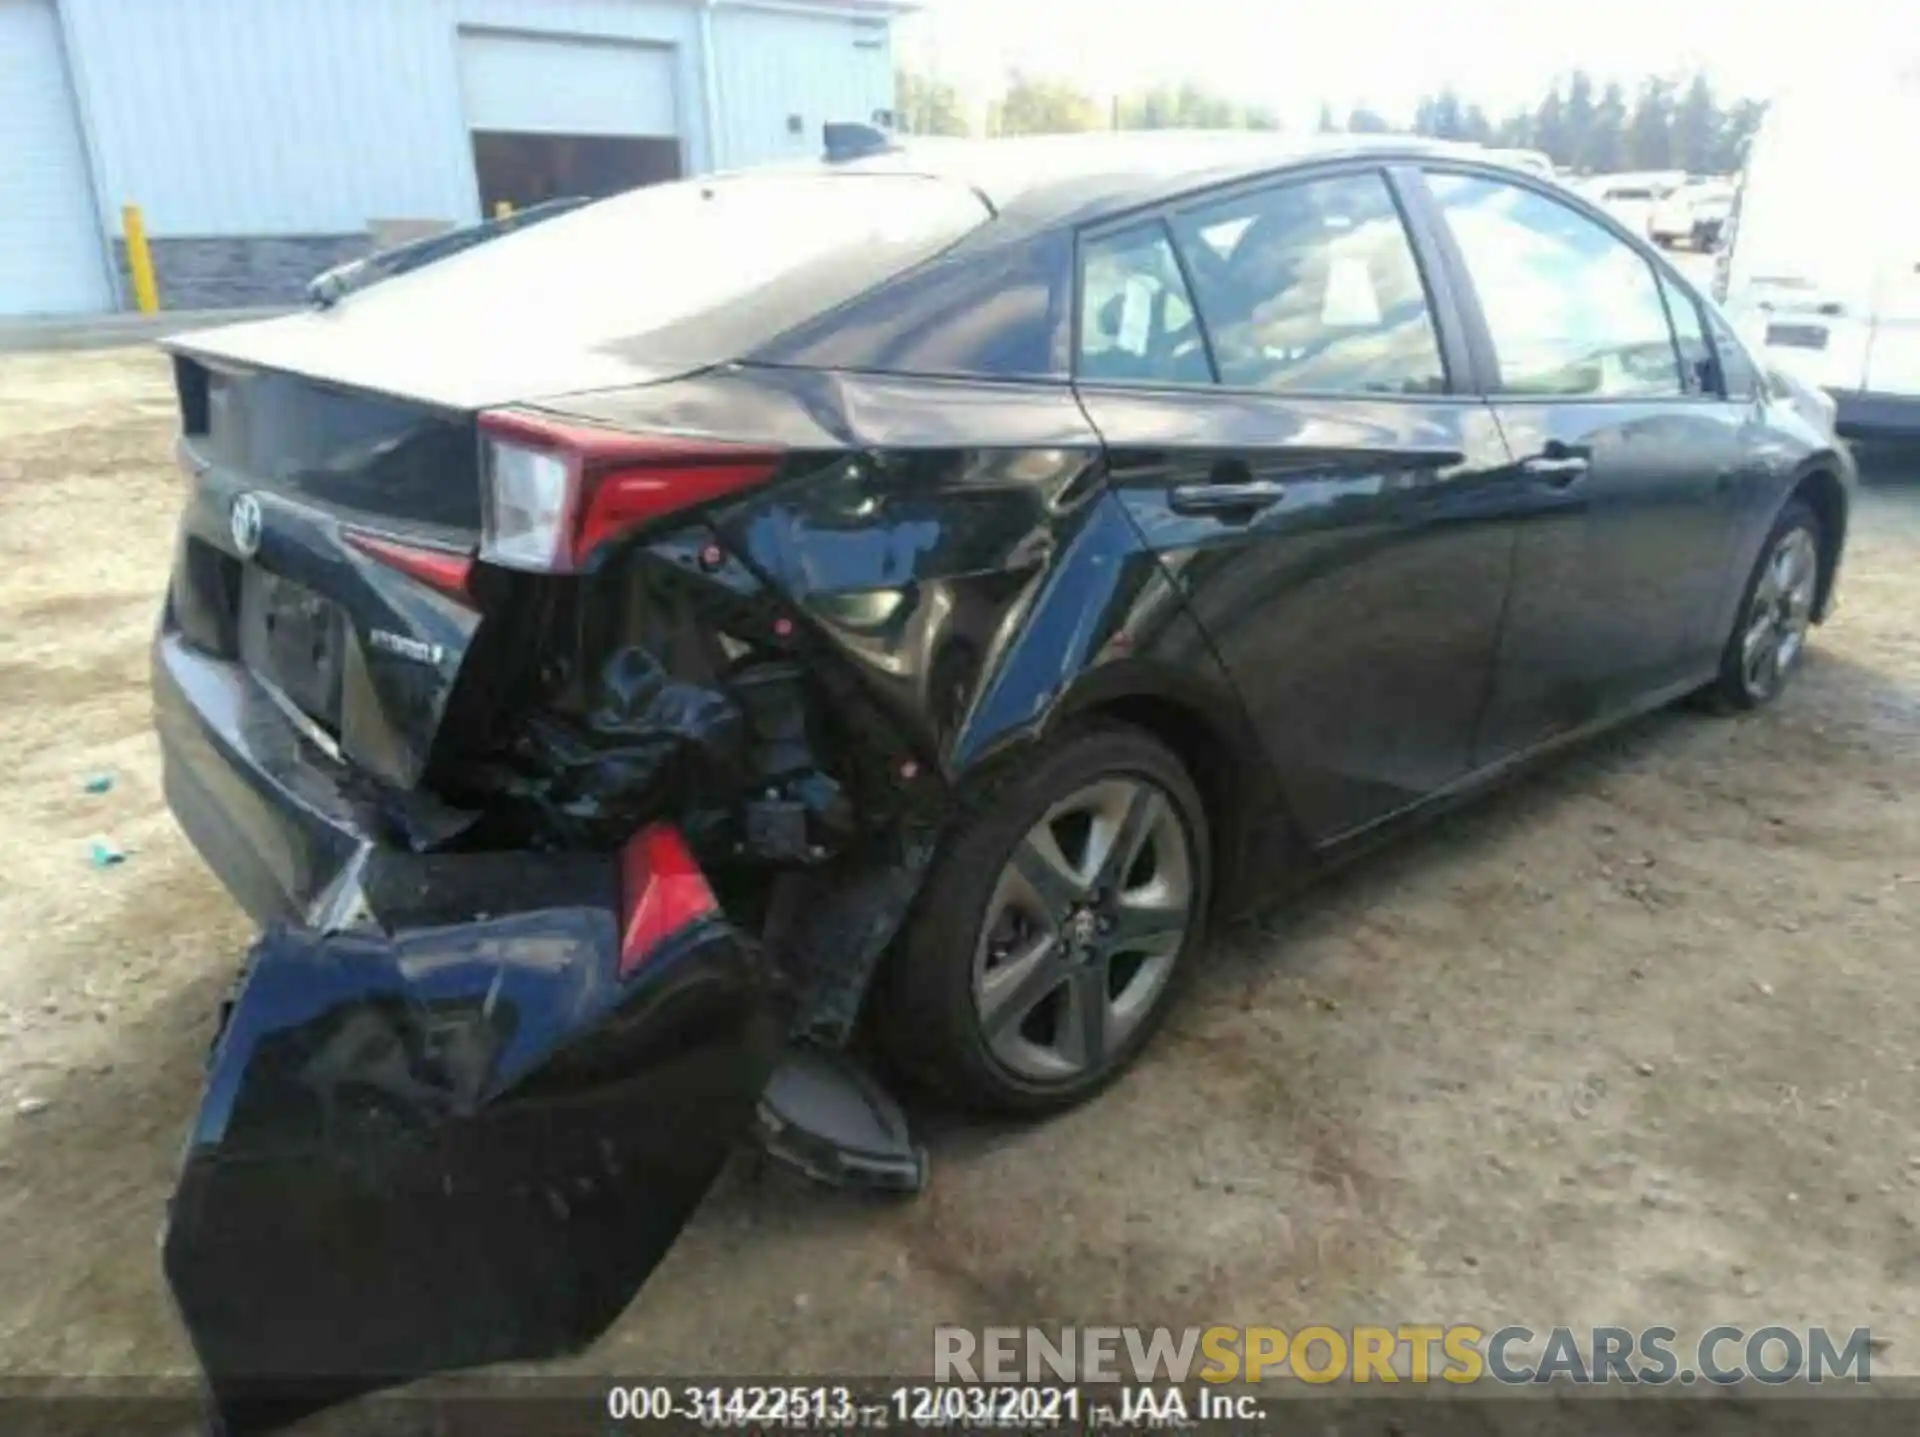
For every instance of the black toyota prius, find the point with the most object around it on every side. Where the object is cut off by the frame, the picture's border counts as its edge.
(886, 607)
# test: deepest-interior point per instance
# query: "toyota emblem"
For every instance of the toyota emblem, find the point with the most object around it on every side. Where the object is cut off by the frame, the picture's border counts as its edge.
(246, 521)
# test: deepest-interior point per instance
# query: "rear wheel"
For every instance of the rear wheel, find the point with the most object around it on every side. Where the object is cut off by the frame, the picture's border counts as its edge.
(1769, 635)
(1055, 927)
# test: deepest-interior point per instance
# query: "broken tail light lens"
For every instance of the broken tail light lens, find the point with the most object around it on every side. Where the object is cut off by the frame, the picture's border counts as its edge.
(556, 494)
(662, 892)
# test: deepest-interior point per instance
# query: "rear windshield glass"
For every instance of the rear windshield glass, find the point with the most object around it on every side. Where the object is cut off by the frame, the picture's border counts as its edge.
(694, 271)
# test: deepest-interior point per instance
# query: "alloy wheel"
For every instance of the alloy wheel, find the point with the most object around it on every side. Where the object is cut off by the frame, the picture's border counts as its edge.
(1083, 929)
(1776, 624)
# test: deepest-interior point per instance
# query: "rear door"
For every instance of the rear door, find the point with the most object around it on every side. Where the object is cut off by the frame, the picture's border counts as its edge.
(1624, 457)
(1287, 420)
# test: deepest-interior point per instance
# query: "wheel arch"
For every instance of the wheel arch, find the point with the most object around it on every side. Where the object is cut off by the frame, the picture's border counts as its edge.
(1222, 758)
(1820, 486)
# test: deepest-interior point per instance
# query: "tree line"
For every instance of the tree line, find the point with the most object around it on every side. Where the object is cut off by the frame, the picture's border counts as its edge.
(1580, 123)
(1600, 129)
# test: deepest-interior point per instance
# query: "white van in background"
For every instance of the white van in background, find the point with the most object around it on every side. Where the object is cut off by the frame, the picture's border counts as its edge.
(1822, 267)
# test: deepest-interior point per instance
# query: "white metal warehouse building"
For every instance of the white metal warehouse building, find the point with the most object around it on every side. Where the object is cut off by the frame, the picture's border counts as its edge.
(264, 140)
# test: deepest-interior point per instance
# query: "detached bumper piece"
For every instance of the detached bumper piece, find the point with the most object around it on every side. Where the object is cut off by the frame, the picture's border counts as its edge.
(461, 1144)
(825, 1115)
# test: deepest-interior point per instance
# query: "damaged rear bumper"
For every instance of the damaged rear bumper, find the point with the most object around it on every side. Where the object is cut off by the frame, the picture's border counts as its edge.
(461, 1103)
(455, 1145)
(263, 806)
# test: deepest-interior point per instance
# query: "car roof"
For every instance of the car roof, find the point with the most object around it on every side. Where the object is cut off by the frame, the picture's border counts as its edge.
(1043, 179)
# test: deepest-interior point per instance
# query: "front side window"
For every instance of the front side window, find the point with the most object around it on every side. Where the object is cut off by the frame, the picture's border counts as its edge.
(1690, 338)
(1573, 310)
(1136, 318)
(1738, 376)
(1311, 287)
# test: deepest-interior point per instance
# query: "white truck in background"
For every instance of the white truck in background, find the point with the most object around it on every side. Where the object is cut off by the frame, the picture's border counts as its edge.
(1632, 198)
(1821, 269)
(1693, 215)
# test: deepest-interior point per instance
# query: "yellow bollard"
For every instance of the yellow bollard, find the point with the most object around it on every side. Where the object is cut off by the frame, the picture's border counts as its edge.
(146, 293)
(503, 209)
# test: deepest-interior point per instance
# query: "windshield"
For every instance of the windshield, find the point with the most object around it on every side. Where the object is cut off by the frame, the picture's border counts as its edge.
(690, 272)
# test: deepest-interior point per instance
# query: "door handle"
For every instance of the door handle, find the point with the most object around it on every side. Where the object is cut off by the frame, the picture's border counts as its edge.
(1247, 496)
(1559, 470)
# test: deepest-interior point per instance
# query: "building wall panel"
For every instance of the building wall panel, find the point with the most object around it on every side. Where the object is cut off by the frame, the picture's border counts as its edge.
(235, 122)
(51, 260)
(311, 117)
(775, 67)
(242, 117)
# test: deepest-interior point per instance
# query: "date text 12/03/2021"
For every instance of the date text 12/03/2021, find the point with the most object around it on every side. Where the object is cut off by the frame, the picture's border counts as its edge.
(876, 1406)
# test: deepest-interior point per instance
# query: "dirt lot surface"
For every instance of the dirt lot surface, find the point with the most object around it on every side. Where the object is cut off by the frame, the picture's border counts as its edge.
(1632, 1042)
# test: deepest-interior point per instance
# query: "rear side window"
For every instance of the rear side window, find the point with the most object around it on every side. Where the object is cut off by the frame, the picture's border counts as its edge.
(1311, 287)
(1136, 317)
(1690, 338)
(1573, 310)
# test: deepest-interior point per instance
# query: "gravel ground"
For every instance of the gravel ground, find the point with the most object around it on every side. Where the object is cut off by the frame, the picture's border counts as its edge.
(1631, 1042)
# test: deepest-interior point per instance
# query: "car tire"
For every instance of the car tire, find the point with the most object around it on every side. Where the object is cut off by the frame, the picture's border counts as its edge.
(1041, 957)
(1771, 626)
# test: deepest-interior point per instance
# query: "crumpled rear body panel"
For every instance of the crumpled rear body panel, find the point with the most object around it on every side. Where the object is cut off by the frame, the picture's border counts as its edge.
(457, 1134)
(452, 1146)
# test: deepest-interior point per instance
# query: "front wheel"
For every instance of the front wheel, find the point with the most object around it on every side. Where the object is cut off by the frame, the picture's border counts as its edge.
(1770, 634)
(1055, 926)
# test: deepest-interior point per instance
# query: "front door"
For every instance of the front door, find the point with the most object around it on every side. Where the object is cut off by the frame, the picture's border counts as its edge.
(1624, 456)
(1268, 374)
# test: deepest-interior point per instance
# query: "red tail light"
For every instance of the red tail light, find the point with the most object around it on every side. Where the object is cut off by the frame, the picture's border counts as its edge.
(440, 569)
(662, 891)
(556, 493)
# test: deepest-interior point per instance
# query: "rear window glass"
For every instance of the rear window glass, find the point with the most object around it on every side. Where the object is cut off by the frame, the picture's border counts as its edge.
(696, 270)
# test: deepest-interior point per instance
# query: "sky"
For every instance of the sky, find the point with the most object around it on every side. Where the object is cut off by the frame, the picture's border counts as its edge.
(1386, 53)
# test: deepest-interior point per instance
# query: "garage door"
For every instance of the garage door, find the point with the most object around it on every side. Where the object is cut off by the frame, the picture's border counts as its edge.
(567, 117)
(50, 244)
